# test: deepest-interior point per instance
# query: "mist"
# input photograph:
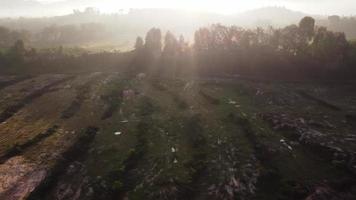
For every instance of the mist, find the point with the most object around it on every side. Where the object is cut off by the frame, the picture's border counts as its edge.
(16, 8)
(177, 100)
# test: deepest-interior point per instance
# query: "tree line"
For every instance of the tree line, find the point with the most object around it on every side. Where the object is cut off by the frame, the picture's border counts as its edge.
(55, 35)
(294, 52)
(340, 24)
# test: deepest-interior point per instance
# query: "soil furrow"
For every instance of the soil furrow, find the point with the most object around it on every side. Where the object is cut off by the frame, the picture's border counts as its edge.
(17, 149)
(13, 109)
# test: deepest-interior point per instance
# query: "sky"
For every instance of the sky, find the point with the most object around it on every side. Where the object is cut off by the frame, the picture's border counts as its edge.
(321, 7)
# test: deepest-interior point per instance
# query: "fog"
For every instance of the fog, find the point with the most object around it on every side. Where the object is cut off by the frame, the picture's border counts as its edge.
(180, 99)
(118, 23)
(14, 8)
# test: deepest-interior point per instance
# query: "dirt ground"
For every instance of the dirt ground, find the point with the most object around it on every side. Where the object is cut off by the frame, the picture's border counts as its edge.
(104, 136)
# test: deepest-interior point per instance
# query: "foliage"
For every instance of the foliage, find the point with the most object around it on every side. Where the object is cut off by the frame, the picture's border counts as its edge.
(302, 50)
(293, 52)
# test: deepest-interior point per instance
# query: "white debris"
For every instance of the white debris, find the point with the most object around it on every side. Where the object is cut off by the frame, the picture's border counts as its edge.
(117, 133)
(285, 144)
(141, 76)
(259, 92)
(124, 121)
(173, 150)
(175, 161)
(232, 102)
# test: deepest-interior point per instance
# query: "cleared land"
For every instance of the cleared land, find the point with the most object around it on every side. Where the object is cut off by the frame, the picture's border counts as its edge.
(104, 136)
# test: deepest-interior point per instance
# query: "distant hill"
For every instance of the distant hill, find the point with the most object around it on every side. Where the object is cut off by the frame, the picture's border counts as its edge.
(275, 16)
(125, 27)
(33, 8)
(163, 18)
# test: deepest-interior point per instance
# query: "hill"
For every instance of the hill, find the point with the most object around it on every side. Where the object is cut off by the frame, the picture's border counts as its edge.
(120, 29)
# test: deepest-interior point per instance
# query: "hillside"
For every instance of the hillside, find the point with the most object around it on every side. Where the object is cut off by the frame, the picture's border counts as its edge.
(106, 136)
(121, 29)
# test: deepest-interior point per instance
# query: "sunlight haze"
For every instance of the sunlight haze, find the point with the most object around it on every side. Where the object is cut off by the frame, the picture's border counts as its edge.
(55, 7)
(177, 99)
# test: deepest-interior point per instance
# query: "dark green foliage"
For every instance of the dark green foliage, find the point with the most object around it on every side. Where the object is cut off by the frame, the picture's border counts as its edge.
(290, 52)
(306, 27)
(146, 106)
(113, 99)
(9, 37)
(14, 57)
(329, 47)
(180, 102)
(193, 129)
(139, 44)
(153, 42)
(301, 51)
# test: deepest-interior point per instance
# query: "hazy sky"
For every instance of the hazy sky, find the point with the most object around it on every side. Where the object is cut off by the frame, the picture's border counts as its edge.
(324, 7)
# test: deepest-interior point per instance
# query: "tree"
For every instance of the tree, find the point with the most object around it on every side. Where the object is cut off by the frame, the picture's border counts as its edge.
(8, 37)
(182, 45)
(170, 45)
(19, 48)
(153, 43)
(290, 39)
(334, 19)
(4, 37)
(329, 47)
(139, 44)
(16, 54)
(201, 38)
(306, 28)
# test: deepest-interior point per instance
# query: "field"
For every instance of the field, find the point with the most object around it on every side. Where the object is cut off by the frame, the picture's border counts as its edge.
(104, 136)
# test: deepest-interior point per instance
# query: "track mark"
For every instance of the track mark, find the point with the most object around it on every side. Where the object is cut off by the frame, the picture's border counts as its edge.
(13, 109)
(17, 149)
